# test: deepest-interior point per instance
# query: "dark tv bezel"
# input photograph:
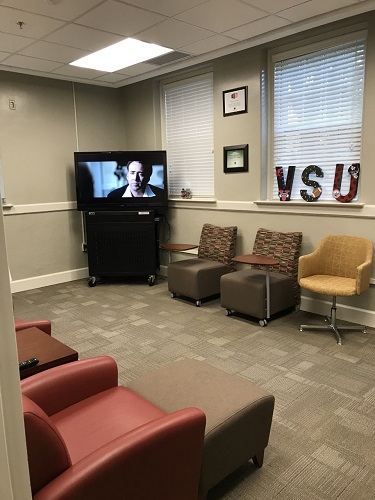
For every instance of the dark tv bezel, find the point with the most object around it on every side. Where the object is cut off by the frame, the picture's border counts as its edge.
(156, 157)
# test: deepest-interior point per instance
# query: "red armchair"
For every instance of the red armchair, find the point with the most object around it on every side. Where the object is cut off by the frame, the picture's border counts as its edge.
(42, 324)
(88, 437)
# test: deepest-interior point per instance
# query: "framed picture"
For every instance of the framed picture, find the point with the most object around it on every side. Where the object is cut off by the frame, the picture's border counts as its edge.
(235, 101)
(236, 158)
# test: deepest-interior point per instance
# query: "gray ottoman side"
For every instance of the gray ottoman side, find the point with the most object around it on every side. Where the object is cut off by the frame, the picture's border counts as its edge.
(238, 413)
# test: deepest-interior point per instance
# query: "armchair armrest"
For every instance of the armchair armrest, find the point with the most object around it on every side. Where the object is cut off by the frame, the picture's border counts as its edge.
(62, 386)
(307, 265)
(159, 459)
(363, 276)
(42, 324)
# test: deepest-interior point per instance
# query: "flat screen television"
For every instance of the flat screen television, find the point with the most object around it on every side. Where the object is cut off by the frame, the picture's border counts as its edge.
(121, 180)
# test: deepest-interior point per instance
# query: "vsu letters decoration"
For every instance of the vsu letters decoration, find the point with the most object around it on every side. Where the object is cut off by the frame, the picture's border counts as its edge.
(285, 189)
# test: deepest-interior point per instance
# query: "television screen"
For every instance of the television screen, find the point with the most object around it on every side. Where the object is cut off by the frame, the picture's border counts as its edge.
(121, 180)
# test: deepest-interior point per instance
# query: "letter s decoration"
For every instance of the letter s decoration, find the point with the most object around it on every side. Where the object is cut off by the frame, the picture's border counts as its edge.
(317, 191)
(285, 190)
(353, 171)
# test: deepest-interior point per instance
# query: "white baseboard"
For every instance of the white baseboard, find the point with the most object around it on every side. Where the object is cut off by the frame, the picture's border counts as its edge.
(344, 312)
(48, 279)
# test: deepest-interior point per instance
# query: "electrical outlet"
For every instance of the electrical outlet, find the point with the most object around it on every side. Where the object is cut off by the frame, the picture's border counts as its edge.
(12, 104)
(84, 247)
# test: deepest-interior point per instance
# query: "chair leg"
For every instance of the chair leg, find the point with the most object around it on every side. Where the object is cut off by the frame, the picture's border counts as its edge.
(332, 324)
(258, 459)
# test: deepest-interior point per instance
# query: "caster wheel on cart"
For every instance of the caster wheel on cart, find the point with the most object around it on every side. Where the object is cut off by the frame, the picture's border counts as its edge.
(151, 279)
(92, 281)
(263, 322)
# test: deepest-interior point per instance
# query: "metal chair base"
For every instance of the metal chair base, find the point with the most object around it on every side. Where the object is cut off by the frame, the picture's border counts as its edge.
(332, 325)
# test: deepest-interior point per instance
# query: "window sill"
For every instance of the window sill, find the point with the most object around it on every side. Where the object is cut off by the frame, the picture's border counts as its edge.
(192, 200)
(306, 204)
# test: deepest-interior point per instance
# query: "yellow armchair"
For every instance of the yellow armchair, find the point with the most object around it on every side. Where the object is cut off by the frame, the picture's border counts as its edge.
(340, 266)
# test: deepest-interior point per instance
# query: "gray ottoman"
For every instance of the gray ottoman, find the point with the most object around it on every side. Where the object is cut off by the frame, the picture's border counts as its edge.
(245, 292)
(238, 413)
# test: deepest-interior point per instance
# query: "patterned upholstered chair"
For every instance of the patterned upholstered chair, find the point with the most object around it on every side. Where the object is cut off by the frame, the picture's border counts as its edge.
(199, 278)
(245, 290)
(340, 266)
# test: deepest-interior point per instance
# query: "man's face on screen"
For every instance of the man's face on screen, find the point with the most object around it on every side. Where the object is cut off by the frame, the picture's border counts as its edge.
(137, 177)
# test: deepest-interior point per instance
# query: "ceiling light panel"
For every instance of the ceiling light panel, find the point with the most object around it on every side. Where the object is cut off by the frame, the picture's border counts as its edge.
(121, 55)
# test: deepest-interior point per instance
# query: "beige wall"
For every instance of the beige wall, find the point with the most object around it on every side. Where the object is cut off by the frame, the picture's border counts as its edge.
(52, 120)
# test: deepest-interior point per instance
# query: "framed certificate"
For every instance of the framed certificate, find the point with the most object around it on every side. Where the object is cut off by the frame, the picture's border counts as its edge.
(236, 158)
(235, 101)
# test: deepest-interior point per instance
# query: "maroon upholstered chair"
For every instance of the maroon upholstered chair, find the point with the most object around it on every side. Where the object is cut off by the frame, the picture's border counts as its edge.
(42, 324)
(88, 437)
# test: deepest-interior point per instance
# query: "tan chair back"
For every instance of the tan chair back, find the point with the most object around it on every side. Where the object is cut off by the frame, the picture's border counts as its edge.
(341, 255)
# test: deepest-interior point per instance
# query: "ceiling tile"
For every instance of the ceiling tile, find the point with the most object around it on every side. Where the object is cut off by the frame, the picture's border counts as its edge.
(174, 34)
(54, 52)
(313, 8)
(30, 63)
(166, 7)
(209, 44)
(76, 72)
(3, 55)
(119, 18)
(34, 26)
(271, 6)
(66, 9)
(221, 15)
(258, 27)
(12, 43)
(137, 69)
(84, 38)
(111, 78)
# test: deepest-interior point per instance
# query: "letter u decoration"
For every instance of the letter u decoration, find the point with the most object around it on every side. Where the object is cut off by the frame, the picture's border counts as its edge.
(353, 171)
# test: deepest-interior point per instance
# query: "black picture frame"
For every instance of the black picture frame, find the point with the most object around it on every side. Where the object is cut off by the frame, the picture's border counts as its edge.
(236, 158)
(235, 101)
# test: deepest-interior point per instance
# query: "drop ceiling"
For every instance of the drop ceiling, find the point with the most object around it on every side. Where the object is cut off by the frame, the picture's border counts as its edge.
(41, 37)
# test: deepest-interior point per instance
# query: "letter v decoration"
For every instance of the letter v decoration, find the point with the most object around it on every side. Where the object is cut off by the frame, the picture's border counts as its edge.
(285, 190)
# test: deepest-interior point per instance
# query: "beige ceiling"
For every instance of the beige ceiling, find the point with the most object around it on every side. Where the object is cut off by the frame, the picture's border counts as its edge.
(41, 37)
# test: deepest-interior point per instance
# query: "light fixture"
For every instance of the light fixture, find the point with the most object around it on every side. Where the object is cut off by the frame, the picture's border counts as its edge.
(121, 55)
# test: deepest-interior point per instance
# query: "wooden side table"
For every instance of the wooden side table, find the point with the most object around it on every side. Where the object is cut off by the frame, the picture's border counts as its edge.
(261, 261)
(177, 247)
(33, 343)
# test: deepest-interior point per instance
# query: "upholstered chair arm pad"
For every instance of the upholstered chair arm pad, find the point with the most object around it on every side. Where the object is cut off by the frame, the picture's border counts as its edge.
(307, 265)
(162, 456)
(42, 324)
(363, 276)
(65, 385)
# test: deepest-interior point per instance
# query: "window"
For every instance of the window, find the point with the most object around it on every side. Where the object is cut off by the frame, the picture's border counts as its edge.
(317, 114)
(189, 110)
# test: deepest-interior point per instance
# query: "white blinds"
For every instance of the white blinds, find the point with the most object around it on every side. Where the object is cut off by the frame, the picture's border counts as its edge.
(190, 136)
(318, 100)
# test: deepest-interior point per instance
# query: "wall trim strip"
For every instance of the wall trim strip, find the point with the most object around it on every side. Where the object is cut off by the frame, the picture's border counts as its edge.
(48, 279)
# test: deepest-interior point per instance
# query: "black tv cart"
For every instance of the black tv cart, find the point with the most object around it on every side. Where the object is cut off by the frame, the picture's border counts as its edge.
(122, 244)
